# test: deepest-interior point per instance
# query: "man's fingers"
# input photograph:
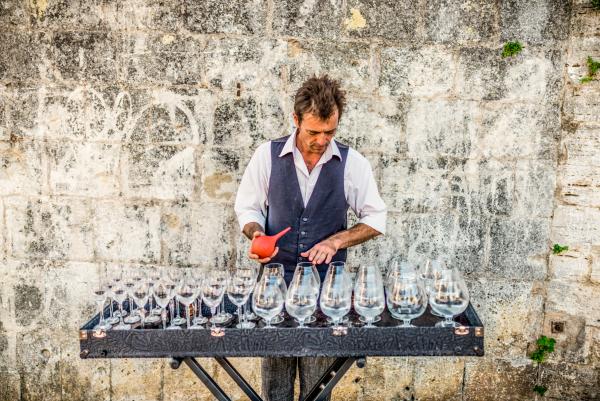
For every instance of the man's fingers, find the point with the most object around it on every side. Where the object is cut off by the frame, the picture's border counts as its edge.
(275, 253)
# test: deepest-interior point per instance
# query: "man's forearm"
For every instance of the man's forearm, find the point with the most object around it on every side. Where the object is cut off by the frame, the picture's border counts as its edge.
(354, 236)
(251, 228)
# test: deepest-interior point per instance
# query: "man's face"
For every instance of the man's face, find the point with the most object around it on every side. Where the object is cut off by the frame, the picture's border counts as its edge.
(315, 134)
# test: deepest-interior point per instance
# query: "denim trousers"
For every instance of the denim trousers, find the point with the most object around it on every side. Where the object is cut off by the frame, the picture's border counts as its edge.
(279, 374)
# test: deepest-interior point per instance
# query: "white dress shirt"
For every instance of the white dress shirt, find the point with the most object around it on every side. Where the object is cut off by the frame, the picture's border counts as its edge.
(360, 187)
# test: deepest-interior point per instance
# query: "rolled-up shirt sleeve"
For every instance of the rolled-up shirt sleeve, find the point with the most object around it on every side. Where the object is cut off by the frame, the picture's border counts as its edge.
(362, 193)
(251, 198)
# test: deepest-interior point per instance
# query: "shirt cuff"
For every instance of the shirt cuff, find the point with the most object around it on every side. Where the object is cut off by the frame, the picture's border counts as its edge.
(375, 221)
(251, 217)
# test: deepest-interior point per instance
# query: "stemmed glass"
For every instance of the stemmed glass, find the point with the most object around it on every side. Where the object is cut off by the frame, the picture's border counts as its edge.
(429, 271)
(369, 296)
(213, 289)
(119, 295)
(153, 277)
(336, 295)
(130, 280)
(450, 297)
(140, 294)
(312, 318)
(174, 275)
(276, 269)
(301, 297)
(187, 290)
(199, 320)
(241, 284)
(100, 296)
(406, 297)
(112, 318)
(268, 299)
(163, 294)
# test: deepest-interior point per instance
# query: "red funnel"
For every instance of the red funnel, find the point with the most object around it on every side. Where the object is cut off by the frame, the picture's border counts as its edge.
(264, 246)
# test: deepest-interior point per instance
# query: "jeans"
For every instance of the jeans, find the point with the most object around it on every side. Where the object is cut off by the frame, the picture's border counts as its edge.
(279, 374)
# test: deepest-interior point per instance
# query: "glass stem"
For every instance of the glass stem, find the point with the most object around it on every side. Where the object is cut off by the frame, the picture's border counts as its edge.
(172, 311)
(121, 314)
(177, 303)
(212, 313)
(239, 313)
(111, 309)
(101, 313)
(163, 317)
(187, 315)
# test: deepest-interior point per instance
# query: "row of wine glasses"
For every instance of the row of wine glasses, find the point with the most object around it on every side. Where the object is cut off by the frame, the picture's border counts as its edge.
(406, 290)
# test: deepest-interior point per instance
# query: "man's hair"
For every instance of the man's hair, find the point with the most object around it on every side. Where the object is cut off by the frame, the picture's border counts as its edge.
(320, 96)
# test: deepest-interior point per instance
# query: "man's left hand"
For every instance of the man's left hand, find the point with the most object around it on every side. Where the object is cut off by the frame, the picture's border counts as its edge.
(322, 252)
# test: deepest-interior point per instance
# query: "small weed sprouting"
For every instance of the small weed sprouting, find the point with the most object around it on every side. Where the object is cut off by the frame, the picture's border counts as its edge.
(511, 49)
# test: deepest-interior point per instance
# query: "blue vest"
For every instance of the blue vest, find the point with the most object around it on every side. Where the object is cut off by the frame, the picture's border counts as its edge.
(324, 215)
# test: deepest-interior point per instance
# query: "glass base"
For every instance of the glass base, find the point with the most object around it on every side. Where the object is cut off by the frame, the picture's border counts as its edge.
(377, 319)
(132, 319)
(122, 327)
(277, 319)
(221, 319)
(199, 320)
(196, 327)
(245, 325)
(344, 320)
(178, 320)
(117, 314)
(105, 326)
(445, 323)
(156, 311)
(251, 316)
(173, 327)
(310, 319)
(152, 319)
(112, 320)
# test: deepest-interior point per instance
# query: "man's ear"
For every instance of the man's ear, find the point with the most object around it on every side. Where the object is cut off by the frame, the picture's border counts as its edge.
(296, 120)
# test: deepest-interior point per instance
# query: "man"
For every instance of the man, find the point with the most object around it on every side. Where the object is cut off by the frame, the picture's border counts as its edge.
(307, 181)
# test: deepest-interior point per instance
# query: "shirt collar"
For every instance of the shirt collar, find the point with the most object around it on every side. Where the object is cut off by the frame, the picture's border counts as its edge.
(332, 148)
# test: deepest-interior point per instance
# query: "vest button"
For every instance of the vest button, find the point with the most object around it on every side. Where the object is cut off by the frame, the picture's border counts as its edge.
(301, 245)
(305, 219)
(303, 233)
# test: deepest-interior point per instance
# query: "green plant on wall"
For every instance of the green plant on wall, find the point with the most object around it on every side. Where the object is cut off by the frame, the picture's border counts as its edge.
(596, 4)
(556, 249)
(545, 345)
(593, 67)
(511, 49)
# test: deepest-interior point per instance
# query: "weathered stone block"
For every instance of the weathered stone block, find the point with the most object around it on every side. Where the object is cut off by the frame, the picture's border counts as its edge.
(461, 22)
(82, 56)
(570, 266)
(572, 344)
(22, 112)
(48, 228)
(241, 64)
(20, 56)
(194, 233)
(10, 386)
(438, 379)
(235, 17)
(481, 73)
(221, 171)
(535, 183)
(383, 129)
(534, 76)
(13, 14)
(595, 265)
(538, 22)
(315, 19)
(584, 20)
(183, 384)
(517, 131)
(519, 247)
(575, 299)
(158, 171)
(426, 71)
(137, 379)
(2, 231)
(348, 62)
(415, 185)
(84, 168)
(575, 226)
(512, 313)
(583, 147)
(451, 133)
(500, 380)
(386, 19)
(571, 382)
(4, 128)
(583, 105)
(127, 231)
(22, 168)
(386, 377)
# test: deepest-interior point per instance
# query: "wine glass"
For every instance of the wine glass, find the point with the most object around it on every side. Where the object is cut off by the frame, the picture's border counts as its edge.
(199, 320)
(112, 318)
(186, 292)
(267, 300)
(240, 286)
(119, 295)
(369, 296)
(129, 280)
(174, 275)
(450, 297)
(301, 297)
(100, 297)
(153, 277)
(336, 295)
(277, 270)
(406, 297)
(312, 318)
(213, 289)
(140, 294)
(163, 294)
(429, 271)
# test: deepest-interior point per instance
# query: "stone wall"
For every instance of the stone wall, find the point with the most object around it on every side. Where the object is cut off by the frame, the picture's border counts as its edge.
(125, 127)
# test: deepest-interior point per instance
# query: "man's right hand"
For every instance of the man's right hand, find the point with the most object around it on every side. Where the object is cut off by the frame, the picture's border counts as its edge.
(256, 257)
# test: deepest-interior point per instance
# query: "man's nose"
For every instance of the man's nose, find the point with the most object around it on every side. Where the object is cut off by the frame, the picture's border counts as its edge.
(322, 139)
